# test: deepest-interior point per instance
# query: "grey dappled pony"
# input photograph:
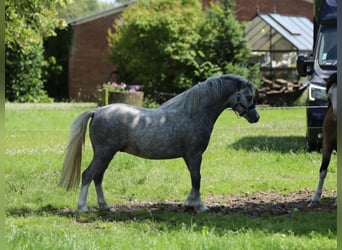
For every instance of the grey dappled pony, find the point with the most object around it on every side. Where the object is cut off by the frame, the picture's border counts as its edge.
(181, 127)
(329, 135)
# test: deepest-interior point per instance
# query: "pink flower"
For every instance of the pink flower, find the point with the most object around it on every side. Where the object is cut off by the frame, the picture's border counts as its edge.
(114, 86)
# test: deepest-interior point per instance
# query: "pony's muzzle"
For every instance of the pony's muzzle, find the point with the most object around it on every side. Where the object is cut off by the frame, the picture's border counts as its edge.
(252, 116)
(250, 113)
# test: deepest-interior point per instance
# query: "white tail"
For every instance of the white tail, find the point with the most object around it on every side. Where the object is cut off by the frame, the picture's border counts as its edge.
(71, 171)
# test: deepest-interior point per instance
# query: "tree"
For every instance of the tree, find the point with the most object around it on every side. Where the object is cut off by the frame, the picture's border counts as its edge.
(223, 47)
(156, 44)
(27, 24)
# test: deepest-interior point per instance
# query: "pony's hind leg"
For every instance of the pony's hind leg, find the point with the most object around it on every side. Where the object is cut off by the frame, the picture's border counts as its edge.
(99, 190)
(95, 172)
(82, 200)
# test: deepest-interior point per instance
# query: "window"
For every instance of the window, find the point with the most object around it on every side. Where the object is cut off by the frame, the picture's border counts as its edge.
(327, 53)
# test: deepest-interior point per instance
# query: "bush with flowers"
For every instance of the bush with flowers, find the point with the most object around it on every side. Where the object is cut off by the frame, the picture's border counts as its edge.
(119, 87)
(113, 92)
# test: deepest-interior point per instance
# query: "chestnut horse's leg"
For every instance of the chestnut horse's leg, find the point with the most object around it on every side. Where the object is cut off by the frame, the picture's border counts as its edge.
(328, 146)
(322, 174)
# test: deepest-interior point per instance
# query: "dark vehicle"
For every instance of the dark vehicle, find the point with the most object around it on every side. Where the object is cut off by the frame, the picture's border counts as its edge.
(319, 65)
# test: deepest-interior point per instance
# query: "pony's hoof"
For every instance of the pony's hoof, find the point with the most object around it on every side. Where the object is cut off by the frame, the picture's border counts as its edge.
(313, 203)
(104, 207)
(201, 209)
(198, 207)
(83, 209)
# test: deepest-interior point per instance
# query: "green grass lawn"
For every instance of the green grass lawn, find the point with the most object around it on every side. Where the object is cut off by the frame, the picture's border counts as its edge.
(242, 158)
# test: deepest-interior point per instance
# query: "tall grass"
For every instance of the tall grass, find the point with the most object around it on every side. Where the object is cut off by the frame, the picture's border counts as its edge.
(241, 158)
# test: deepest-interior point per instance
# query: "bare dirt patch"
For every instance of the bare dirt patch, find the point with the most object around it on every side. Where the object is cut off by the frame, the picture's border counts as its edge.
(259, 204)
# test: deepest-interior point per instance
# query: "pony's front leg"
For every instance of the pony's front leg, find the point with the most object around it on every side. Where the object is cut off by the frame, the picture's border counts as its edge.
(194, 197)
(194, 200)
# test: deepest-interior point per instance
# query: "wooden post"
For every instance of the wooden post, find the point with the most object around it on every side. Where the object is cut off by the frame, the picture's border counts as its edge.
(104, 97)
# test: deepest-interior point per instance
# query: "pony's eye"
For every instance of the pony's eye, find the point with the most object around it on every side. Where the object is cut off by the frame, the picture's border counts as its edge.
(249, 98)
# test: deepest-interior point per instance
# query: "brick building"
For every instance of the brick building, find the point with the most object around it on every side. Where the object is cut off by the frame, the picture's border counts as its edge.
(247, 9)
(88, 63)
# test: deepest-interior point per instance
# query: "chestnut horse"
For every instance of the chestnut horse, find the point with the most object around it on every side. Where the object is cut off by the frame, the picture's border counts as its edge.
(329, 135)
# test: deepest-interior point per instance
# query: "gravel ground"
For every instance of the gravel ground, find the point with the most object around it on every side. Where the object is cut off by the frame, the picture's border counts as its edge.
(259, 204)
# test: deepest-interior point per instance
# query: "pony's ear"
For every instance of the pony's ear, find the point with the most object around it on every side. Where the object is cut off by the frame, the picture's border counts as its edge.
(248, 84)
(210, 82)
(244, 83)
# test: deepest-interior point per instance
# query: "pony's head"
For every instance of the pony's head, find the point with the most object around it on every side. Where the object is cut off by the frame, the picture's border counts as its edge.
(332, 91)
(242, 100)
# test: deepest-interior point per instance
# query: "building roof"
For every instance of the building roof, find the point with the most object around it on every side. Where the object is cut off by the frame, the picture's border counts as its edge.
(276, 32)
(116, 9)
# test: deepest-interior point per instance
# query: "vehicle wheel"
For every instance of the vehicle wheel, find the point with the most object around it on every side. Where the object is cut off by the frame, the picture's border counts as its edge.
(310, 146)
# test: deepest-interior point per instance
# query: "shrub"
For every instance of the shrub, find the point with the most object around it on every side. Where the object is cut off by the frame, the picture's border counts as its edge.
(156, 44)
(27, 24)
(223, 48)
